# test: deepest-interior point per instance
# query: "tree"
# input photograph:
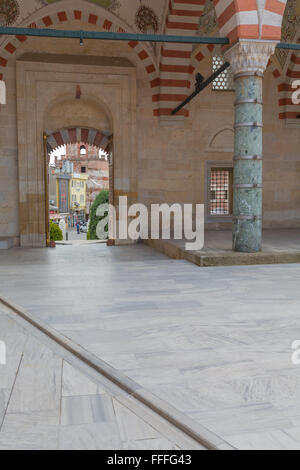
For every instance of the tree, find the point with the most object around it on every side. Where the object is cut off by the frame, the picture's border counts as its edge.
(102, 198)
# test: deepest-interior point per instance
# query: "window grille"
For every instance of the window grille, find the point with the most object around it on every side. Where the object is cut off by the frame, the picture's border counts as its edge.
(225, 81)
(221, 192)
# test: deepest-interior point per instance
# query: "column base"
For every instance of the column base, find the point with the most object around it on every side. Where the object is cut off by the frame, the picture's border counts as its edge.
(247, 236)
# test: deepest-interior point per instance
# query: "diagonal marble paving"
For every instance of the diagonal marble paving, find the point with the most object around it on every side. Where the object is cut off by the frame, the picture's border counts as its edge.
(48, 404)
(213, 342)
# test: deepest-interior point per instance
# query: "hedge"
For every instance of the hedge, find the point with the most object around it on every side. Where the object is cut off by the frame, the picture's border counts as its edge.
(56, 234)
(101, 198)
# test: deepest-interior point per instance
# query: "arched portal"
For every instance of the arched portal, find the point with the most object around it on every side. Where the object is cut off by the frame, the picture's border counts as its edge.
(81, 172)
(72, 135)
(67, 103)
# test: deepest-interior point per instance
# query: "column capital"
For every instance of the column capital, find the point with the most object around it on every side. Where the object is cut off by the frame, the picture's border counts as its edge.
(250, 55)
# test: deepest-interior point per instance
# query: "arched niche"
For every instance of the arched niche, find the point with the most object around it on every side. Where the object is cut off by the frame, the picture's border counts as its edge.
(222, 141)
(68, 112)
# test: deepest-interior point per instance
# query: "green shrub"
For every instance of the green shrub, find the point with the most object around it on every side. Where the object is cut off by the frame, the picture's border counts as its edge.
(56, 234)
(102, 198)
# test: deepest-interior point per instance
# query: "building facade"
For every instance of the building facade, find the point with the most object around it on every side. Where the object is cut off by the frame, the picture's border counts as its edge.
(59, 193)
(78, 198)
(87, 161)
(119, 96)
(68, 192)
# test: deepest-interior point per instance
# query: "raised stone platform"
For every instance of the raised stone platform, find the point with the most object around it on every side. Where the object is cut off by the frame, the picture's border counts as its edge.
(279, 247)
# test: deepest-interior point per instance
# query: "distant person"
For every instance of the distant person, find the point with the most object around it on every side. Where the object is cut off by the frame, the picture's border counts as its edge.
(78, 228)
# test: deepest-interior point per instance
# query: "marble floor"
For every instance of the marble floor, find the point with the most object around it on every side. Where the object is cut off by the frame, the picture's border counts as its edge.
(48, 404)
(216, 343)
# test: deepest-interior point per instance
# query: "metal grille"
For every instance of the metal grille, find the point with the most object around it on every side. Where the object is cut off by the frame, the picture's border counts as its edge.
(224, 81)
(221, 192)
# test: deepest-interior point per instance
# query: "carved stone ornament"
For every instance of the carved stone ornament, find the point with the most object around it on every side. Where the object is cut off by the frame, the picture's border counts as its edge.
(250, 55)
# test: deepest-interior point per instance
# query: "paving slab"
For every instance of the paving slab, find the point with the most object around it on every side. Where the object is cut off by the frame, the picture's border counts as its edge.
(49, 404)
(215, 343)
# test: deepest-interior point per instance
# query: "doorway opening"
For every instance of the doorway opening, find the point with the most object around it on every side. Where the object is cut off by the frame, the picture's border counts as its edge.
(49, 104)
(79, 167)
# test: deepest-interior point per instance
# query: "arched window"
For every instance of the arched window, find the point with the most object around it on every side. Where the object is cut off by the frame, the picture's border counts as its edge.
(83, 151)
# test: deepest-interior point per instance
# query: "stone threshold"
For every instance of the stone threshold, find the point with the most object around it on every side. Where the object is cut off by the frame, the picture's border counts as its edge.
(81, 242)
(165, 416)
(214, 258)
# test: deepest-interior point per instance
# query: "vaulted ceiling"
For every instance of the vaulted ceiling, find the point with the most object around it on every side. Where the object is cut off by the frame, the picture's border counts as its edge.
(169, 68)
(137, 14)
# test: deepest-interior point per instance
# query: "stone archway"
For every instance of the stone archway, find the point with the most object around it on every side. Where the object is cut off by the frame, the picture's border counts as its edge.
(99, 171)
(52, 95)
(71, 135)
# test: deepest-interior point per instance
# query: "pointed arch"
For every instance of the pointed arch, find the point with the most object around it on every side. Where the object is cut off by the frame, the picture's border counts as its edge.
(58, 14)
(291, 72)
(288, 110)
(175, 69)
(72, 135)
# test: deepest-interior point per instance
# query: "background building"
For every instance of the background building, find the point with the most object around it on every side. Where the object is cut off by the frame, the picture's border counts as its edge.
(86, 161)
(67, 193)
(78, 198)
(59, 189)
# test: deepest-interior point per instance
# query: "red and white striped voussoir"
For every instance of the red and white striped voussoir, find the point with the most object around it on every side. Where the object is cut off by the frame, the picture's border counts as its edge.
(171, 84)
(241, 19)
(74, 135)
(288, 110)
(60, 17)
(278, 77)
(272, 19)
(174, 80)
(237, 18)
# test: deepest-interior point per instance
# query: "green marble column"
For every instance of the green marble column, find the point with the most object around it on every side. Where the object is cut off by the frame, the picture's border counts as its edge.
(248, 59)
(247, 189)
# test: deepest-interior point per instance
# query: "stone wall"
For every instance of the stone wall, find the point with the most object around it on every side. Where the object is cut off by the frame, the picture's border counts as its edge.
(174, 158)
(172, 155)
(9, 192)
